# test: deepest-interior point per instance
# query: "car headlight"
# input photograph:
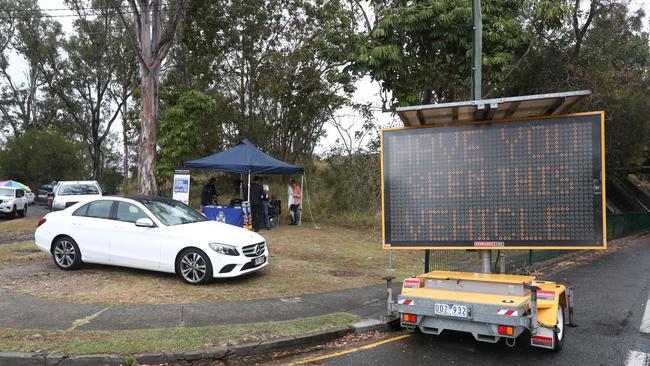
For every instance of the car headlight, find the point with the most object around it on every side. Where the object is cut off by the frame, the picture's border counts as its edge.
(58, 204)
(224, 249)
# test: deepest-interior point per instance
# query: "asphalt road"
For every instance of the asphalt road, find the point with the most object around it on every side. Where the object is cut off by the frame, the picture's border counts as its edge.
(610, 300)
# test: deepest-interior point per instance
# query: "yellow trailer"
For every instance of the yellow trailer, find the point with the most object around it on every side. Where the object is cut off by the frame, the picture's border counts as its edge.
(489, 306)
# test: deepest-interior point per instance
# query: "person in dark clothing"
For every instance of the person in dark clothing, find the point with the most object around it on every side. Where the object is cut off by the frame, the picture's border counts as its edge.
(257, 194)
(209, 192)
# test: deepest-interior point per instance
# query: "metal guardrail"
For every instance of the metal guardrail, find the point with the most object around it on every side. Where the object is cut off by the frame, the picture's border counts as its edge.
(622, 225)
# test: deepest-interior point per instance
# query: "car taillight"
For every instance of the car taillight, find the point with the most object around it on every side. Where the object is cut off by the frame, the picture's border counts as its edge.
(41, 222)
(410, 318)
(506, 330)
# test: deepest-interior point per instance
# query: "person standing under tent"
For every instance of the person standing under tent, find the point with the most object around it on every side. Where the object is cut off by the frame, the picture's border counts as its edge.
(208, 193)
(257, 193)
(296, 195)
(265, 204)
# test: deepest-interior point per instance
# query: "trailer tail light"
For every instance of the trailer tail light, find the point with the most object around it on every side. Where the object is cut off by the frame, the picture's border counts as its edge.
(41, 221)
(410, 318)
(413, 282)
(506, 330)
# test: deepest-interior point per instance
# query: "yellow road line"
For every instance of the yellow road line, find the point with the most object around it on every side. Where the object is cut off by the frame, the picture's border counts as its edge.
(351, 350)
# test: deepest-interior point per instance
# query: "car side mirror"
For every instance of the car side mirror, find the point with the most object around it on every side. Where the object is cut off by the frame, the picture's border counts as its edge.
(144, 222)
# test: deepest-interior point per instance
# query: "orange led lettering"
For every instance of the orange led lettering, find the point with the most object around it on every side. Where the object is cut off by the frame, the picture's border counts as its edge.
(476, 181)
(552, 226)
(470, 151)
(455, 226)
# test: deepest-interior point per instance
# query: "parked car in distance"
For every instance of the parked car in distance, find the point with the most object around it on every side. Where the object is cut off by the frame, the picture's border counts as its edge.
(152, 233)
(13, 201)
(43, 192)
(68, 193)
(31, 197)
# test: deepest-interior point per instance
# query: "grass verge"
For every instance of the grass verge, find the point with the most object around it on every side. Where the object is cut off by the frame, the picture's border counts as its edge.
(19, 254)
(178, 339)
(18, 226)
(303, 260)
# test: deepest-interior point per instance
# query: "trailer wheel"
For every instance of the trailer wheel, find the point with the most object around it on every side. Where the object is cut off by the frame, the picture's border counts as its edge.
(558, 334)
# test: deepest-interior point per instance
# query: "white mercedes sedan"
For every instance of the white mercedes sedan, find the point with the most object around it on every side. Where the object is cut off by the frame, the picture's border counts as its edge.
(152, 233)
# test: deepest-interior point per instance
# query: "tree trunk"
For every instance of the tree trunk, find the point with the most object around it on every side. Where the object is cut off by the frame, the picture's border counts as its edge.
(148, 122)
(96, 156)
(125, 139)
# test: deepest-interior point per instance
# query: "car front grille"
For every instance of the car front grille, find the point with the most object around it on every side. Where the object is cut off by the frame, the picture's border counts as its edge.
(254, 250)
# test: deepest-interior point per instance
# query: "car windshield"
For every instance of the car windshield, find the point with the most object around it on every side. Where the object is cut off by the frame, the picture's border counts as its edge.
(173, 212)
(77, 189)
(6, 192)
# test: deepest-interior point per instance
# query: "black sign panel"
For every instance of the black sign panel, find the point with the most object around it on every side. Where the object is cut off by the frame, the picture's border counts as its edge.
(532, 184)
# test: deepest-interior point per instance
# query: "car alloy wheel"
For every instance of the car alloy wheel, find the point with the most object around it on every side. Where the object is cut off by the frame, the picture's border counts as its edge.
(194, 267)
(66, 253)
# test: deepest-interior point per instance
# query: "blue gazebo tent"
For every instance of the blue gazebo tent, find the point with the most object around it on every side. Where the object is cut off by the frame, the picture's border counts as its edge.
(245, 158)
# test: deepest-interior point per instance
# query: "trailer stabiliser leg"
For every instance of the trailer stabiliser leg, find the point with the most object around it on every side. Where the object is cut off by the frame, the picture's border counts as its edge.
(569, 295)
(534, 323)
(389, 300)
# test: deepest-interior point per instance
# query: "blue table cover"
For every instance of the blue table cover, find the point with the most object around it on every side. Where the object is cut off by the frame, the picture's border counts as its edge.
(229, 215)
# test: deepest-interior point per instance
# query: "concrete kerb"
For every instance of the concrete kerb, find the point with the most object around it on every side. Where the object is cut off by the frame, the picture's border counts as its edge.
(207, 354)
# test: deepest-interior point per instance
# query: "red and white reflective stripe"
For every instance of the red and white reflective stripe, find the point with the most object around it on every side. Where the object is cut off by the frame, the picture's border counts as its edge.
(543, 341)
(508, 312)
(405, 302)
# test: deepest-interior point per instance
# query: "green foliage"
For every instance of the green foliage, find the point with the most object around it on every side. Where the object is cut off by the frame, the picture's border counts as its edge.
(612, 60)
(279, 63)
(346, 189)
(189, 129)
(37, 157)
(420, 51)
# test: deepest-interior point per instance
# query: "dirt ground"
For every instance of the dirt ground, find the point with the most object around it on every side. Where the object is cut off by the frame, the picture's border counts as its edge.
(303, 260)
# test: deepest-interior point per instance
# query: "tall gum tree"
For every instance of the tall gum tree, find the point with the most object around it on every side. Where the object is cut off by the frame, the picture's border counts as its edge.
(151, 42)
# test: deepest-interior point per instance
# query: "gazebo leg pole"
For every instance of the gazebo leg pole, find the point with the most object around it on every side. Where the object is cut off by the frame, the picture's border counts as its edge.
(302, 198)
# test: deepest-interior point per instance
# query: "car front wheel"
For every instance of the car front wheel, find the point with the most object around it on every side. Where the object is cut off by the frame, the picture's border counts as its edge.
(66, 254)
(193, 266)
(23, 212)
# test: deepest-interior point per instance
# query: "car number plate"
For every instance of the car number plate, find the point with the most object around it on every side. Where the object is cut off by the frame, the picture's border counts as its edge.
(259, 260)
(457, 311)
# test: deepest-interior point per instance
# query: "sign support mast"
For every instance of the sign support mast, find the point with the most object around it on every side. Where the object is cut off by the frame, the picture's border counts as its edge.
(477, 62)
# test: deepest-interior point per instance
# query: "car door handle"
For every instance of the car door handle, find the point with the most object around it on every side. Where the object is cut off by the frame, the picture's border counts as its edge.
(76, 224)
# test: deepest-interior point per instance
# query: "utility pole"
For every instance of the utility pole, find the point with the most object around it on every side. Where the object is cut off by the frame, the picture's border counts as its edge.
(477, 63)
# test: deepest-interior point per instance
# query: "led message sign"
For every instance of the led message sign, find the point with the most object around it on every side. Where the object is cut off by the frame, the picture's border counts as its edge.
(531, 184)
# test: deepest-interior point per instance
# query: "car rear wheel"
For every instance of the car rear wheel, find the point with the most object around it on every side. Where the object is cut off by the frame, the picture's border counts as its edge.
(193, 266)
(66, 254)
